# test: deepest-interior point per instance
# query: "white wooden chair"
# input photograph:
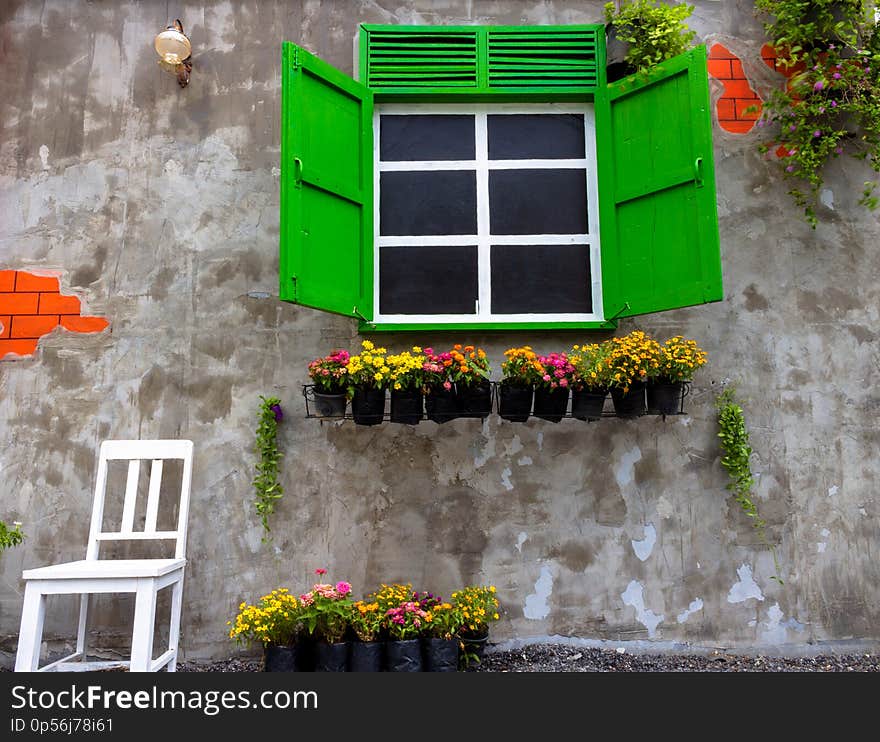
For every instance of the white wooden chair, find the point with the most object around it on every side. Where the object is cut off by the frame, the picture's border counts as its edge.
(143, 577)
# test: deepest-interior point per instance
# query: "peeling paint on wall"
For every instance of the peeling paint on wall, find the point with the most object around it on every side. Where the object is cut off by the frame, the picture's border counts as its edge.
(833, 490)
(625, 471)
(696, 605)
(505, 478)
(521, 538)
(745, 588)
(644, 548)
(634, 596)
(537, 605)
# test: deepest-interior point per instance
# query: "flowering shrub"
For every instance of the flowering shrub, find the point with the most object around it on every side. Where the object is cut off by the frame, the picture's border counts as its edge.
(366, 620)
(326, 609)
(632, 358)
(469, 366)
(478, 606)
(391, 596)
(558, 371)
(679, 359)
(522, 366)
(329, 373)
(405, 621)
(406, 369)
(274, 620)
(592, 369)
(443, 621)
(369, 368)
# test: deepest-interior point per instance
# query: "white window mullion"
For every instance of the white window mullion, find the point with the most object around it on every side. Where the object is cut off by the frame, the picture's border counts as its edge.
(483, 246)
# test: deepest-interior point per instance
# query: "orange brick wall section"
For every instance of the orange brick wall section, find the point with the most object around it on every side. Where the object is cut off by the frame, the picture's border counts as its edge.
(738, 95)
(32, 306)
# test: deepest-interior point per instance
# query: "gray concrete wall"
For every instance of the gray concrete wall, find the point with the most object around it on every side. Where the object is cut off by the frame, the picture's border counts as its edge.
(159, 208)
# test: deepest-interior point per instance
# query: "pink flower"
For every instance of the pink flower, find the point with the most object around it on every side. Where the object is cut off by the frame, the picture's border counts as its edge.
(819, 85)
(343, 588)
(306, 599)
(836, 75)
(320, 571)
(447, 385)
(563, 382)
(546, 377)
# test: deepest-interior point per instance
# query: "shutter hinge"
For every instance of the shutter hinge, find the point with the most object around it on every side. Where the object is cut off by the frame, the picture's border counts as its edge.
(294, 61)
(293, 281)
(356, 313)
(618, 313)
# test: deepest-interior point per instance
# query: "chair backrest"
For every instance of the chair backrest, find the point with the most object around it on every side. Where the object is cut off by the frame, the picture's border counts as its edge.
(134, 452)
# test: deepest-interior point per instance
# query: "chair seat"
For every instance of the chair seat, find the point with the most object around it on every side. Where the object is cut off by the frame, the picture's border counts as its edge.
(105, 568)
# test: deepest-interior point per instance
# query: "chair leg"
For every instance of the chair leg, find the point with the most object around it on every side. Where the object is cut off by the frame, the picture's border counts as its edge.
(83, 628)
(174, 629)
(144, 620)
(30, 635)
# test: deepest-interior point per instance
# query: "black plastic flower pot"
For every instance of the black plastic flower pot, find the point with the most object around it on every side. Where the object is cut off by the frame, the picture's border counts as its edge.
(587, 404)
(403, 655)
(280, 658)
(441, 405)
(630, 403)
(514, 402)
(664, 398)
(368, 406)
(616, 50)
(441, 655)
(331, 657)
(329, 404)
(473, 647)
(551, 404)
(366, 657)
(406, 406)
(475, 400)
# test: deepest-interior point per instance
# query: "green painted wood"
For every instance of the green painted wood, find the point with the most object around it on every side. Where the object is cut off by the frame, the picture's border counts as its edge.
(659, 224)
(458, 60)
(326, 187)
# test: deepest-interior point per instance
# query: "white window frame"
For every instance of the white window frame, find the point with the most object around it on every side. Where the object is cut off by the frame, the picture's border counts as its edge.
(483, 239)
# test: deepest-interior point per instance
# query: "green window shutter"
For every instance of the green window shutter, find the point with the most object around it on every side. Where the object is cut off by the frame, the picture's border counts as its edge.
(326, 187)
(488, 60)
(659, 224)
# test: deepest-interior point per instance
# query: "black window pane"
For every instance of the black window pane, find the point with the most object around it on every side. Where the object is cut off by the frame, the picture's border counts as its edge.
(541, 279)
(428, 280)
(431, 202)
(538, 201)
(440, 137)
(536, 136)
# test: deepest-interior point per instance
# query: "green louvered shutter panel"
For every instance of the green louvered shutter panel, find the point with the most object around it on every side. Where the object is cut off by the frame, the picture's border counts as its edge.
(326, 187)
(424, 57)
(535, 57)
(659, 223)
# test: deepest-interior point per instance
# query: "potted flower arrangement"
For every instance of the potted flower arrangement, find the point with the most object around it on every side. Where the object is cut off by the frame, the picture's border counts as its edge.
(368, 377)
(470, 371)
(478, 605)
(678, 360)
(406, 378)
(404, 624)
(632, 358)
(275, 620)
(830, 105)
(642, 33)
(325, 612)
(366, 621)
(441, 403)
(551, 390)
(520, 372)
(443, 621)
(329, 375)
(592, 376)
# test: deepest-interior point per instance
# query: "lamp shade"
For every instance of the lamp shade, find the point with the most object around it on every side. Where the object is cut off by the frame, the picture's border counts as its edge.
(172, 46)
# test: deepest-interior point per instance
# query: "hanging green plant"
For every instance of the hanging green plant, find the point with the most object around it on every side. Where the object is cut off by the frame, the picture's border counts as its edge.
(830, 105)
(268, 488)
(737, 453)
(10, 537)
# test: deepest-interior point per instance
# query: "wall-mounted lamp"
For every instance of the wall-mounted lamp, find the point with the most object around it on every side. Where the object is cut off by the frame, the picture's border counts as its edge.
(175, 52)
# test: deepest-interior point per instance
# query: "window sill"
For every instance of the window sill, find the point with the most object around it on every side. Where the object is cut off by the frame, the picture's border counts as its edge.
(364, 327)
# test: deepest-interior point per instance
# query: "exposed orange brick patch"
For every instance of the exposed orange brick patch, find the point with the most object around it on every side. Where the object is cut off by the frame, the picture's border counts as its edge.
(84, 324)
(774, 62)
(738, 96)
(31, 306)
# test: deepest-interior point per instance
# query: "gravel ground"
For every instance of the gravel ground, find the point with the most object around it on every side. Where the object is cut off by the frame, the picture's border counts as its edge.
(564, 658)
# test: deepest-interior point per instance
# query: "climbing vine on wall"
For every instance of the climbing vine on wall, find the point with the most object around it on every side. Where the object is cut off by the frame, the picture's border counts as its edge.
(737, 454)
(268, 488)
